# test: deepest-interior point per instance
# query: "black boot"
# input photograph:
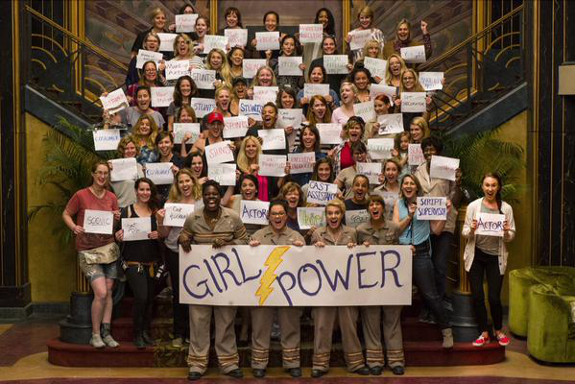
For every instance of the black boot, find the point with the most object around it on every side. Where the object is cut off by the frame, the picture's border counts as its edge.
(139, 340)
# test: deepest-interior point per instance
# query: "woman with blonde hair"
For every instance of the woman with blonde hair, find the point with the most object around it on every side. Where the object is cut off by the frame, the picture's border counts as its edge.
(124, 189)
(348, 92)
(403, 39)
(217, 61)
(395, 66)
(264, 77)
(158, 19)
(365, 18)
(248, 164)
(145, 133)
(183, 50)
(410, 83)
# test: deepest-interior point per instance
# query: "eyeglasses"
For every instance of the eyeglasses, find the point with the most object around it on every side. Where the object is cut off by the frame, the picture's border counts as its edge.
(277, 214)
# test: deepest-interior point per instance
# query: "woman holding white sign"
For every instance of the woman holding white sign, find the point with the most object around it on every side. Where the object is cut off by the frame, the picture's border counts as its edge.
(322, 171)
(158, 19)
(395, 66)
(318, 75)
(145, 132)
(411, 84)
(334, 234)
(183, 51)
(417, 233)
(150, 78)
(348, 93)
(143, 107)
(403, 39)
(289, 47)
(248, 164)
(217, 61)
(140, 258)
(165, 144)
(96, 210)
(381, 105)
(235, 60)
(202, 28)
(365, 19)
(310, 143)
(124, 189)
(353, 132)
(184, 90)
(329, 47)
(152, 44)
(486, 254)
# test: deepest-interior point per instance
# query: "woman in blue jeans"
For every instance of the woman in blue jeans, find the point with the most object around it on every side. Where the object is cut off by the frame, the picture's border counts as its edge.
(417, 233)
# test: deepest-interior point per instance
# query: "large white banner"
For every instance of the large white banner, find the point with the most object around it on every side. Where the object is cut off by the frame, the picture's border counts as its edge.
(270, 275)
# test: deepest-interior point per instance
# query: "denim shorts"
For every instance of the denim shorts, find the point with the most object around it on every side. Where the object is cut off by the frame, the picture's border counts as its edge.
(95, 271)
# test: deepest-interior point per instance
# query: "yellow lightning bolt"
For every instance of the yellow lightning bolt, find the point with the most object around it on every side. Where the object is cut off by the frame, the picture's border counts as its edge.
(273, 261)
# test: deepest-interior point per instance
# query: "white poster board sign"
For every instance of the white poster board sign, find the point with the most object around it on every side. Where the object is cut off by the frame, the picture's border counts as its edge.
(365, 110)
(124, 169)
(254, 212)
(223, 173)
(114, 101)
(290, 118)
(413, 102)
(371, 170)
(180, 130)
(272, 165)
(356, 217)
(106, 139)
(145, 56)
(101, 222)
(376, 67)
(380, 149)
(251, 66)
(490, 224)
(320, 193)
(431, 81)
(160, 173)
(176, 214)
(310, 217)
(391, 123)
(289, 65)
(204, 78)
(236, 37)
(301, 162)
(415, 154)
(265, 95)
(186, 23)
(215, 42)
(359, 38)
(236, 126)
(219, 153)
(329, 133)
(272, 139)
(310, 90)
(310, 33)
(162, 96)
(203, 106)
(176, 69)
(136, 228)
(378, 89)
(443, 167)
(167, 41)
(431, 208)
(268, 41)
(251, 108)
(336, 64)
(413, 55)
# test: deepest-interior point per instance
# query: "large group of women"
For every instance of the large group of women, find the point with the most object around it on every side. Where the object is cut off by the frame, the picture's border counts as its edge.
(390, 205)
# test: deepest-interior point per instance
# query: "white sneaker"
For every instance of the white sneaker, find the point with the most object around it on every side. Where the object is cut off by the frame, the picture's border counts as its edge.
(110, 342)
(96, 341)
(177, 342)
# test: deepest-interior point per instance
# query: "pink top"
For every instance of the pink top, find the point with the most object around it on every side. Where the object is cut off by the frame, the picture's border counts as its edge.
(339, 117)
(263, 190)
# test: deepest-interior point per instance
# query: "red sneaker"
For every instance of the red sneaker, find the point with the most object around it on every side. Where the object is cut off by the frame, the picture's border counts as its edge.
(481, 341)
(502, 339)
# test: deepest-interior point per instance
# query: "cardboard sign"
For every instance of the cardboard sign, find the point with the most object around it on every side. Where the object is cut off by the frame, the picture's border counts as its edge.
(177, 68)
(377, 67)
(219, 153)
(356, 217)
(272, 138)
(215, 42)
(167, 41)
(101, 222)
(310, 217)
(265, 95)
(186, 23)
(431, 208)
(106, 139)
(310, 90)
(320, 193)
(176, 214)
(489, 224)
(413, 54)
(114, 101)
(365, 110)
(268, 41)
(236, 37)
(136, 228)
(359, 38)
(413, 102)
(251, 108)
(145, 56)
(251, 66)
(415, 154)
(378, 89)
(272, 165)
(336, 64)
(204, 78)
(269, 275)
(443, 167)
(124, 169)
(236, 126)
(254, 212)
(329, 133)
(389, 199)
(160, 173)
(162, 96)
(301, 162)
(390, 124)
(180, 130)
(431, 81)
(203, 106)
(289, 65)
(290, 118)
(310, 33)
(380, 149)
(224, 174)
(371, 170)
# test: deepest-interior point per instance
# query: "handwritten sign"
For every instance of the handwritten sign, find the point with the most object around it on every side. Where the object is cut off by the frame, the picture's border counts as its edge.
(101, 222)
(389, 199)
(176, 214)
(413, 54)
(320, 193)
(145, 56)
(301, 162)
(215, 42)
(203, 106)
(236, 126)
(378, 89)
(268, 41)
(365, 110)
(413, 102)
(162, 96)
(380, 149)
(160, 173)
(236, 37)
(310, 90)
(415, 154)
(329, 133)
(254, 212)
(431, 81)
(289, 65)
(265, 95)
(489, 224)
(336, 64)
(136, 228)
(272, 138)
(443, 167)
(177, 68)
(301, 276)
(204, 78)
(219, 153)
(251, 66)
(124, 169)
(356, 217)
(251, 108)
(272, 165)
(431, 208)
(390, 124)
(180, 130)
(371, 170)
(114, 101)
(167, 41)
(224, 174)
(377, 67)
(359, 38)
(310, 217)
(186, 23)
(290, 118)
(310, 33)
(106, 139)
